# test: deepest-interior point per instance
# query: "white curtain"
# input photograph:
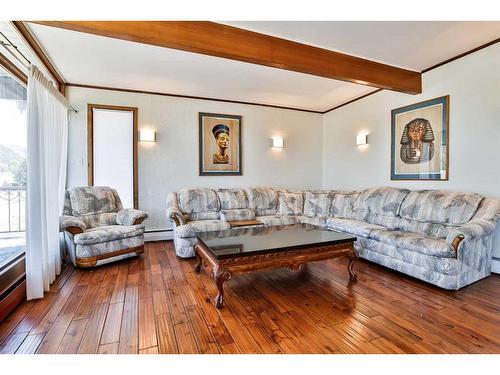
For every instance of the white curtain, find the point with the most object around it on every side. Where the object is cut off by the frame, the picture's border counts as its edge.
(46, 160)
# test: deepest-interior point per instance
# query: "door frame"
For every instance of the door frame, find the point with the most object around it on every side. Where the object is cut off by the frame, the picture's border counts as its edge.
(90, 143)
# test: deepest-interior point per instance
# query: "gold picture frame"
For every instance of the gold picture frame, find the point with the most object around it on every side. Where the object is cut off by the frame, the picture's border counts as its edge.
(219, 144)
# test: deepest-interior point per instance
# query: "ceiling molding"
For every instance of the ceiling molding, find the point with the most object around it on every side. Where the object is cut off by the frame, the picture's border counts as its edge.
(69, 84)
(461, 55)
(13, 69)
(495, 41)
(38, 50)
(210, 38)
(352, 100)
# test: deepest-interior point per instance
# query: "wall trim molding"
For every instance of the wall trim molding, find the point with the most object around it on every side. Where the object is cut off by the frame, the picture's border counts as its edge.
(457, 57)
(482, 46)
(352, 100)
(70, 84)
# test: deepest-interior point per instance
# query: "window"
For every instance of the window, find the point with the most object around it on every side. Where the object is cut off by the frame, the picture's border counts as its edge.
(13, 120)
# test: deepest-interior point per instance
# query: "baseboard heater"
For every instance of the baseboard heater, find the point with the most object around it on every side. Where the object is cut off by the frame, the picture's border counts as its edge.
(158, 235)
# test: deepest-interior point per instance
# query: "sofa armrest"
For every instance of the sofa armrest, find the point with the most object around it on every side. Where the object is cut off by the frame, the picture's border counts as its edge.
(174, 213)
(474, 229)
(71, 224)
(176, 216)
(130, 216)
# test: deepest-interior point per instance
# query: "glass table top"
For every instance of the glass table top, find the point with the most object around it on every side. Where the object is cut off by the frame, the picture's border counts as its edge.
(259, 239)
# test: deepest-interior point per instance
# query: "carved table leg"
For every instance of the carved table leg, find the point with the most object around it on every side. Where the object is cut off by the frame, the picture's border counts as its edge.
(197, 268)
(353, 257)
(297, 267)
(220, 276)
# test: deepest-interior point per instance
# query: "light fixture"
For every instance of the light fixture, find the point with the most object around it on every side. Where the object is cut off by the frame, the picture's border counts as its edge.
(147, 135)
(277, 142)
(361, 139)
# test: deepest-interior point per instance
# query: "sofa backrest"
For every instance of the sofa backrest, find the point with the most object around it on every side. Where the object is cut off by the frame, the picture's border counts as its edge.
(380, 205)
(199, 204)
(442, 207)
(263, 200)
(290, 203)
(95, 205)
(384, 201)
(343, 204)
(430, 212)
(435, 212)
(232, 199)
(317, 203)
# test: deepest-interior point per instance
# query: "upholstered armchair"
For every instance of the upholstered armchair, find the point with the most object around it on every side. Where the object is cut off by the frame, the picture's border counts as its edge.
(97, 229)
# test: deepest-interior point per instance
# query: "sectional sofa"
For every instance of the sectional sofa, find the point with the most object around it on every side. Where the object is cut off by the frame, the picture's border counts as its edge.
(444, 238)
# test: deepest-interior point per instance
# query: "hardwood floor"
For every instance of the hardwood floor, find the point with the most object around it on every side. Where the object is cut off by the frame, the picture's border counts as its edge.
(155, 303)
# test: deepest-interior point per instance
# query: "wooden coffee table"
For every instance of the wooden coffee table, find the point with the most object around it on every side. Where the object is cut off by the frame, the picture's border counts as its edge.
(244, 250)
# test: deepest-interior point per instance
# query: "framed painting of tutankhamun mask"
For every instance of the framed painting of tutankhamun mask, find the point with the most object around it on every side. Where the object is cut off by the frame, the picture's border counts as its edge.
(219, 144)
(420, 141)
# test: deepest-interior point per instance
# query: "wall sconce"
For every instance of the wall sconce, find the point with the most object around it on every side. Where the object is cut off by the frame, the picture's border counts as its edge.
(147, 135)
(361, 139)
(277, 142)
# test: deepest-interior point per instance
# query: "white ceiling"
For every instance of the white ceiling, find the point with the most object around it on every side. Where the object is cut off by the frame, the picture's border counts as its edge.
(415, 45)
(94, 60)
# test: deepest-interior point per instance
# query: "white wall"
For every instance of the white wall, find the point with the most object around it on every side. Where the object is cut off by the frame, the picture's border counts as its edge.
(473, 83)
(171, 163)
(319, 150)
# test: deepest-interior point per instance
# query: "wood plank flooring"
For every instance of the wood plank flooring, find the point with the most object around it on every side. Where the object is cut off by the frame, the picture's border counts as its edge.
(155, 303)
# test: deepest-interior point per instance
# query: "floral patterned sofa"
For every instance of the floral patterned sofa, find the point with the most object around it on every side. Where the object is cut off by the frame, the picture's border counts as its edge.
(97, 229)
(444, 238)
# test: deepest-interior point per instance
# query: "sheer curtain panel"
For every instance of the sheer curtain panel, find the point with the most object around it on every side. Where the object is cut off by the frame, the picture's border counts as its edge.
(46, 160)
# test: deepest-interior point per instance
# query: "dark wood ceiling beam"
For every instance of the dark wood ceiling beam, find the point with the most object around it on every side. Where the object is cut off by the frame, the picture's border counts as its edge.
(37, 49)
(229, 42)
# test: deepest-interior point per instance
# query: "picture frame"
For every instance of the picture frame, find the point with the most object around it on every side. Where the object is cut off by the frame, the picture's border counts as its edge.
(220, 151)
(420, 141)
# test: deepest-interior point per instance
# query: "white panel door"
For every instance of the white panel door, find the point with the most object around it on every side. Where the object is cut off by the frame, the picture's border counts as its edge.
(113, 151)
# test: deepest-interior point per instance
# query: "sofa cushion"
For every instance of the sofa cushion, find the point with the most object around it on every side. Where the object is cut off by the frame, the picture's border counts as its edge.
(273, 220)
(262, 198)
(232, 199)
(204, 215)
(440, 206)
(390, 222)
(355, 227)
(92, 200)
(385, 201)
(108, 233)
(414, 242)
(198, 200)
(429, 229)
(99, 220)
(290, 203)
(241, 214)
(317, 204)
(192, 228)
(316, 221)
(343, 205)
(102, 248)
(265, 212)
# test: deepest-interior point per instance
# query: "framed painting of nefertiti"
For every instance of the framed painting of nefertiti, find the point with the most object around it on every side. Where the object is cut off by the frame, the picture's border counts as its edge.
(220, 144)
(420, 141)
